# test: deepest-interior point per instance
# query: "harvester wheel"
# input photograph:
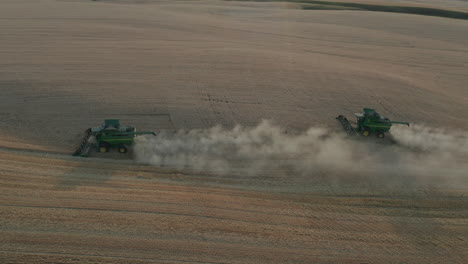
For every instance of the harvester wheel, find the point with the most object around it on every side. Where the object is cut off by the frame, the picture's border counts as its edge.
(366, 132)
(122, 149)
(380, 135)
(103, 147)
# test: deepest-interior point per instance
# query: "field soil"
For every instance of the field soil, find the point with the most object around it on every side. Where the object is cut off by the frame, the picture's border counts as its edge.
(66, 65)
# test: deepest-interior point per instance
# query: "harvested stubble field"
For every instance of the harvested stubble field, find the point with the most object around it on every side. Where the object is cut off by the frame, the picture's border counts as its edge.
(65, 65)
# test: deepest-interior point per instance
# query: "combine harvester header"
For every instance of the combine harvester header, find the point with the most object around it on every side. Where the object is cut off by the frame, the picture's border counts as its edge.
(108, 135)
(369, 122)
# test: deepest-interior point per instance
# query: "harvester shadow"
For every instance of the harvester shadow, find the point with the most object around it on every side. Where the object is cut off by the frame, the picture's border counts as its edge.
(89, 172)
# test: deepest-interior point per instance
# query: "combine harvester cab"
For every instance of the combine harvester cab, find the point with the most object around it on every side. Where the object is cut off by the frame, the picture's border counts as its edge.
(369, 122)
(108, 135)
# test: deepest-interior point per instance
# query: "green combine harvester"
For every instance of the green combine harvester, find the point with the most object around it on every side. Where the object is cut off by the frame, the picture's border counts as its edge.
(106, 136)
(369, 122)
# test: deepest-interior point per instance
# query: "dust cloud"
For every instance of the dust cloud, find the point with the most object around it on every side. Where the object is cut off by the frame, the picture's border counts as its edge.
(416, 155)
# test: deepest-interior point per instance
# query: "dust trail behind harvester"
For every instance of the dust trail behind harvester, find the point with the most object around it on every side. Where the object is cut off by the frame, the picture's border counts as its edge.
(423, 156)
